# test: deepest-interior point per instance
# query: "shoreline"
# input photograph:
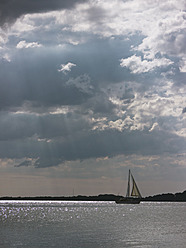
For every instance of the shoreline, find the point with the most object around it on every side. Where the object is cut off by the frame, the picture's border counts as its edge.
(168, 197)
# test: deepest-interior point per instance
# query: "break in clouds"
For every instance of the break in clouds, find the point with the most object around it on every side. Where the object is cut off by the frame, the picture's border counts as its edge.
(91, 79)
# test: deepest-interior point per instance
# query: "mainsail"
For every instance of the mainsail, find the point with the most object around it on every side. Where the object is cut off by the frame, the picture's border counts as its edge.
(135, 191)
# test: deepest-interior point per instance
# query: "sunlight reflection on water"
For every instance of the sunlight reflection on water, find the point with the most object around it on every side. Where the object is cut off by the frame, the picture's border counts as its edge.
(35, 224)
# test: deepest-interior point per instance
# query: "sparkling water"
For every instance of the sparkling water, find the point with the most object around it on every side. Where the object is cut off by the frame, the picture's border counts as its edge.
(33, 224)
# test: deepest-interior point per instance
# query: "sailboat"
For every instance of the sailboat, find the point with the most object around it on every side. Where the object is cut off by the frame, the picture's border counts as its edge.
(133, 196)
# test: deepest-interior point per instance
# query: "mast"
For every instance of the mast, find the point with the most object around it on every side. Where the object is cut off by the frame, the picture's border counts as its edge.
(128, 187)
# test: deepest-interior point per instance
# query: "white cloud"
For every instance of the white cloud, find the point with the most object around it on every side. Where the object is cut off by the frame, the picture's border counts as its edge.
(7, 57)
(3, 49)
(23, 44)
(167, 37)
(158, 107)
(3, 37)
(23, 24)
(183, 64)
(118, 124)
(155, 126)
(137, 65)
(66, 67)
(163, 24)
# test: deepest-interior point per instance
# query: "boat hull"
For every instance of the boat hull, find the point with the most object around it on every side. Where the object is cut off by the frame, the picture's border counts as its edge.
(128, 200)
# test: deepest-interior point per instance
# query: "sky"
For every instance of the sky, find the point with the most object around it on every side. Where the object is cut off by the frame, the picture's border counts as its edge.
(89, 90)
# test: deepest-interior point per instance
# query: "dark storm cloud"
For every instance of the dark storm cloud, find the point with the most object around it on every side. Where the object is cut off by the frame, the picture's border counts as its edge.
(53, 139)
(184, 110)
(10, 10)
(24, 163)
(21, 126)
(47, 162)
(94, 90)
(92, 144)
(96, 14)
(99, 104)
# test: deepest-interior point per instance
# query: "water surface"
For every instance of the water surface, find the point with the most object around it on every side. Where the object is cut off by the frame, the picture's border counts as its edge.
(33, 224)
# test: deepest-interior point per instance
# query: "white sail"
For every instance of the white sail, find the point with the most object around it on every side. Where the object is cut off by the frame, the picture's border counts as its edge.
(135, 191)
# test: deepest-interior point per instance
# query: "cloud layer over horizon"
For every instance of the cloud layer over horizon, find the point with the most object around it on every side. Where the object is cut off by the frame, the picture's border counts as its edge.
(93, 81)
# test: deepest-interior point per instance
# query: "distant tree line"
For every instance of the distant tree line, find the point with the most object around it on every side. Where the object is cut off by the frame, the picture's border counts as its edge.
(102, 197)
(168, 197)
(178, 197)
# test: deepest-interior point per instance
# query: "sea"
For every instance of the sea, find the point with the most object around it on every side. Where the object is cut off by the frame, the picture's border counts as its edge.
(78, 224)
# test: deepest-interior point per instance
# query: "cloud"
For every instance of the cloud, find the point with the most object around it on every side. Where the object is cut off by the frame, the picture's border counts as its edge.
(124, 97)
(85, 145)
(154, 127)
(137, 65)
(11, 10)
(161, 27)
(25, 163)
(183, 65)
(41, 128)
(66, 67)
(47, 162)
(24, 44)
(83, 82)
